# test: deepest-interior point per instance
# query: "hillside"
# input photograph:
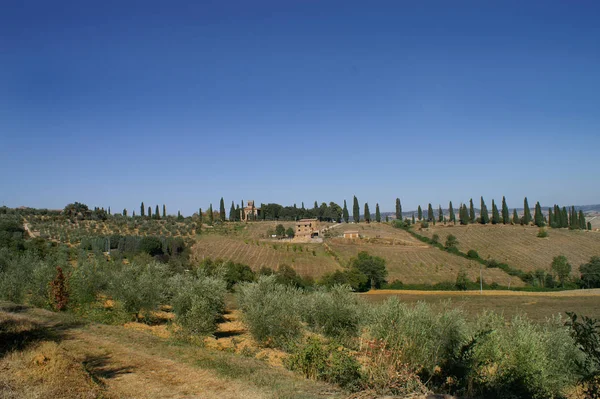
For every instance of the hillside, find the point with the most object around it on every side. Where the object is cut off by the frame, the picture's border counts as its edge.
(519, 246)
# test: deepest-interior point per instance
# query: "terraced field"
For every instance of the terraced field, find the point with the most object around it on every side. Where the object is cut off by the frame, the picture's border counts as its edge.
(520, 247)
(257, 254)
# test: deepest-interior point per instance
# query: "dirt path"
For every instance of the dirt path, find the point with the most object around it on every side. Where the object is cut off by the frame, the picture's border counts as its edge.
(124, 363)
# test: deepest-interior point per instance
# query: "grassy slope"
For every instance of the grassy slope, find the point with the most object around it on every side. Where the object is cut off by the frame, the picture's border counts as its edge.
(519, 246)
(51, 355)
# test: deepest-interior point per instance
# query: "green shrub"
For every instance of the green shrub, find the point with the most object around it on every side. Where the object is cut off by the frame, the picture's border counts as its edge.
(87, 280)
(198, 302)
(335, 311)
(425, 338)
(542, 233)
(472, 254)
(462, 281)
(271, 311)
(326, 362)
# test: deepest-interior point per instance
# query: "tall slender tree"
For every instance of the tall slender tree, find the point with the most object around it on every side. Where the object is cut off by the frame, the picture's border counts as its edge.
(515, 218)
(345, 213)
(451, 213)
(164, 211)
(238, 211)
(551, 220)
(149, 212)
(581, 218)
(538, 216)
(463, 215)
(430, 215)
(413, 218)
(222, 210)
(495, 213)
(124, 212)
(210, 215)
(471, 211)
(484, 217)
(142, 209)
(232, 212)
(367, 213)
(440, 214)
(356, 211)
(419, 213)
(505, 214)
(377, 213)
(526, 212)
(398, 209)
(109, 210)
(156, 213)
(564, 217)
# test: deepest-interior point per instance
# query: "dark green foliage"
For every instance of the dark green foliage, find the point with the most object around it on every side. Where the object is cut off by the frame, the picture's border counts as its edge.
(451, 242)
(222, 210)
(164, 215)
(345, 214)
(451, 213)
(484, 217)
(280, 230)
(142, 209)
(398, 209)
(430, 215)
(562, 268)
(586, 334)
(515, 218)
(151, 245)
(440, 214)
(542, 233)
(589, 226)
(582, 224)
(12, 234)
(156, 213)
(538, 217)
(551, 220)
(495, 213)
(232, 212)
(419, 213)
(471, 211)
(289, 233)
(78, 211)
(210, 215)
(463, 215)
(371, 266)
(564, 218)
(352, 277)
(356, 211)
(590, 273)
(505, 214)
(367, 213)
(149, 212)
(462, 281)
(472, 254)
(526, 213)
(377, 213)
(413, 218)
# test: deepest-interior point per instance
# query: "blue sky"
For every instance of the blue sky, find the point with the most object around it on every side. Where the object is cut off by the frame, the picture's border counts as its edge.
(114, 103)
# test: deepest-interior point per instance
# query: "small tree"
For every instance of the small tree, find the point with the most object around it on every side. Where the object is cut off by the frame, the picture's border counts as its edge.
(149, 212)
(398, 209)
(430, 215)
(345, 213)
(156, 213)
(538, 216)
(355, 211)
(485, 217)
(371, 266)
(495, 213)
(59, 294)
(377, 213)
(232, 212)
(462, 281)
(590, 273)
(210, 215)
(471, 211)
(419, 213)
(222, 210)
(515, 218)
(440, 214)
(142, 209)
(505, 214)
(451, 213)
(562, 268)
(290, 233)
(526, 213)
(164, 211)
(451, 242)
(280, 230)
(367, 213)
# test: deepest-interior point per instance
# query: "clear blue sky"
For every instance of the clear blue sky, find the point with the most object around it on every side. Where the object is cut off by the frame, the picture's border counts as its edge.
(112, 103)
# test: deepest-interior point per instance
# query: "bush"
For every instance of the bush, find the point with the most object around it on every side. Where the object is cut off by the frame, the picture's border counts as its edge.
(472, 254)
(198, 302)
(451, 243)
(462, 281)
(271, 311)
(424, 224)
(335, 312)
(140, 287)
(542, 233)
(394, 285)
(426, 339)
(87, 280)
(326, 362)
(435, 239)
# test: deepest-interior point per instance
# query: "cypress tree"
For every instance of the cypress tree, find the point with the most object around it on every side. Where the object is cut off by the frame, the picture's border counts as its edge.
(463, 215)
(398, 209)
(419, 213)
(515, 218)
(538, 216)
(495, 213)
(124, 212)
(109, 210)
(589, 226)
(484, 217)
(142, 209)
(200, 215)
(564, 218)
(355, 211)
(573, 223)
(505, 214)
(451, 213)
(377, 213)
(149, 212)
(551, 220)
(133, 215)
(164, 211)
(210, 215)
(156, 213)
(440, 214)
(471, 211)
(237, 213)
(222, 210)
(232, 212)
(526, 213)
(430, 215)
(413, 218)
(345, 213)
(367, 213)
(581, 220)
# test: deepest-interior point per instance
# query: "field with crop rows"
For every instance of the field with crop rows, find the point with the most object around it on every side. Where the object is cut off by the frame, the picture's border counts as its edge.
(519, 246)
(257, 254)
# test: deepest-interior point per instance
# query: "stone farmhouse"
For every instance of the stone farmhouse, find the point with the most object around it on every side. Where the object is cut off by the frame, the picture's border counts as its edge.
(307, 228)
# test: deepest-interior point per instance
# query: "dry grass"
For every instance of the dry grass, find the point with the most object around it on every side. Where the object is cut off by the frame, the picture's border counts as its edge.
(257, 254)
(536, 305)
(519, 246)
